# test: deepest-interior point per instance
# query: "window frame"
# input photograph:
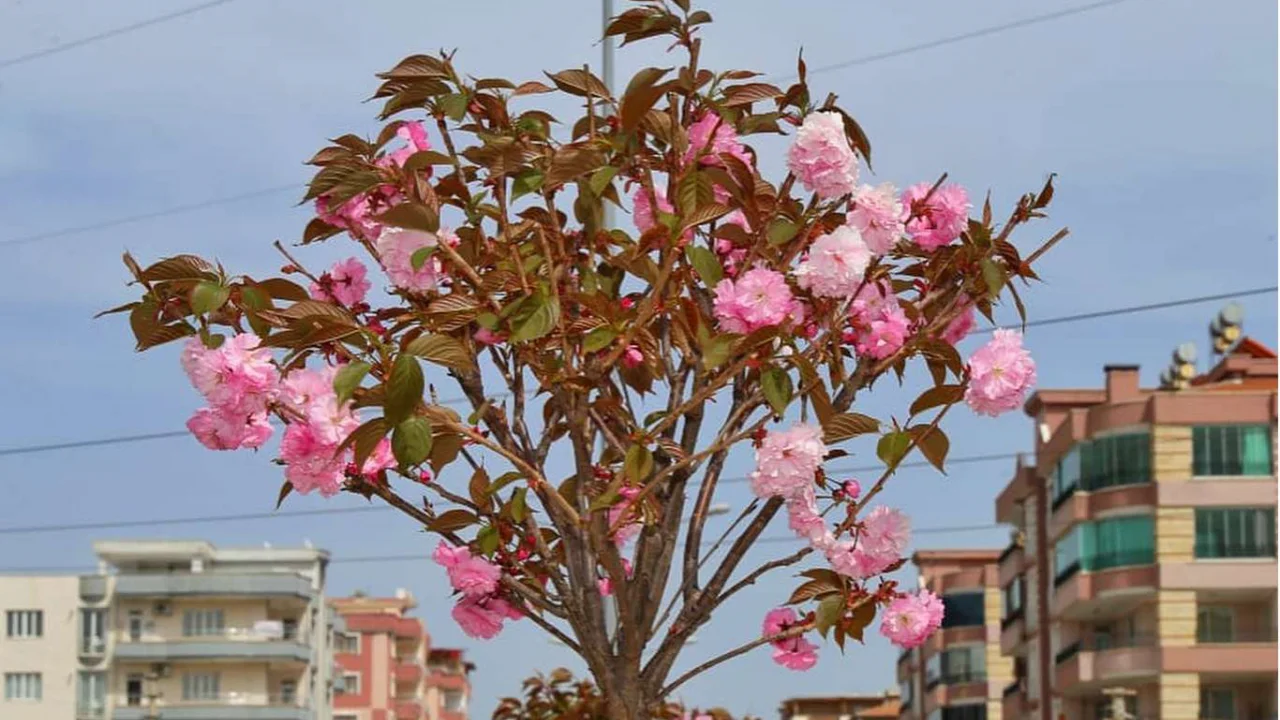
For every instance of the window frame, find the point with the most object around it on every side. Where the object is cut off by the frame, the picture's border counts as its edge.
(24, 681)
(346, 686)
(1234, 523)
(203, 622)
(948, 602)
(340, 637)
(201, 686)
(1216, 441)
(17, 629)
(1226, 615)
(1208, 693)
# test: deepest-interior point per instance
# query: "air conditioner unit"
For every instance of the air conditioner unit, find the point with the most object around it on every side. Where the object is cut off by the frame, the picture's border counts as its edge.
(163, 609)
(160, 669)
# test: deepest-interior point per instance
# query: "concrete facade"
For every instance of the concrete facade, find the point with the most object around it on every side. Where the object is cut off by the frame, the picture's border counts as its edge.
(1144, 550)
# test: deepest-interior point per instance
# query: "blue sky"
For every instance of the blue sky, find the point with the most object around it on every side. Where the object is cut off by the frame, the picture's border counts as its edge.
(1160, 118)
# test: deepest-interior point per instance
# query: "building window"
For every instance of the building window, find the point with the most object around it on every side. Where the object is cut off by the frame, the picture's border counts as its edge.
(1231, 450)
(202, 623)
(24, 623)
(904, 691)
(23, 686)
(1217, 704)
(288, 692)
(932, 671)
(1117, 542)
(200, 686)
(1102, 708)
(965, 712)
(93, 632)
(962, 609)
(1012, 598)
(1066, 555)
(1235, 532)
(964, 665)
(1066, 477)
(1115, 461)
(347, 643)
(1215, 624)
(455, 701)
(91, 695)
(349, 684)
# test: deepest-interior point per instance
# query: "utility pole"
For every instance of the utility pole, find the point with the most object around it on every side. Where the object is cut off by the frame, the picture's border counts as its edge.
(1118, 695)
(606, 72)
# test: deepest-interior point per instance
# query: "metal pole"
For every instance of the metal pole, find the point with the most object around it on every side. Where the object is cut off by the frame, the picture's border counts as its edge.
(606, 70)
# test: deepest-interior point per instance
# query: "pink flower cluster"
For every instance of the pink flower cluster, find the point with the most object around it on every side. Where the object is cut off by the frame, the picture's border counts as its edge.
(961, 325)
(821, 157)
(759, 298)
(793, 653)
(938, 220)
(878, 326)
(414, 135)
(621, 509)
(357, 214)
(319, 426)
(910, 619)
(879, 216)
(480, 611)
(787, 460)
(835, 264)
(711, 136)
(1000, 373)
(396, 247)
(605, 584)
(878, 544)
(239, 381)
(346, 283)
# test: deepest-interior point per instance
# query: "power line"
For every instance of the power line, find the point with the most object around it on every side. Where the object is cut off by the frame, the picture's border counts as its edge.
(129, 219)
(971, 35)
(115, 32)
(120, 439)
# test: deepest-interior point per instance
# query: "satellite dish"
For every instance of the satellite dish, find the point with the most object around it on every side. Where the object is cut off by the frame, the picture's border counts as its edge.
(1232, 314)
(1166, 377)
(1215, 327)
(1185, 353)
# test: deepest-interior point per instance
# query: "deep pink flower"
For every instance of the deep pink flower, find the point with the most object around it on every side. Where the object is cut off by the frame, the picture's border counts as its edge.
(852, 489)
(723, 142)
(621, 509)
(469, 574)
(356, 215)
(476, 618)
(642, 209)
(218, 430)
(633, 357)
(879, 215)
(485, 336)
(835, 264)
(803, 515)
(1000, 373)
(911, 619)
(759, 298)
(380, 459)
(961, 325)
(938, 220)
(821, 157)
(792, 653)
(878, 326)
(347, 283)
(396, 247)
(309, 460)
(777, 620)
(787, 460)
(879, 544)
(415, 137)
(237, 378)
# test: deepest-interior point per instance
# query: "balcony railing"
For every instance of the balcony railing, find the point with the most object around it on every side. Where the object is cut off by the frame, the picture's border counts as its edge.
(1102, 642)
(231, 642)
(1014, 547)
(1209, 636)
(260, 584)
(1067, 653)
(1210, 550)
(960, 677)
(1012, 688)
(1106, 561)
(1010, 618)
(231, 706)
(92, 711)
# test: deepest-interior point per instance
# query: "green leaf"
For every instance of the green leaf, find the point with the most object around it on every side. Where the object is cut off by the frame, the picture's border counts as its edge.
(598, 339)
(526, 182)
(487, 539)
(411, 441)
(348, 378)
(639, 463)
(251, 298)
(208, 296)
(993, 275)
(404, 388)
(717, 350)
(937, 395)
(781, 231)
(706, 264)
(518, 506)
(441, 350)
(452, 520)
(285, 489)
(829, 612)
(489, 321)
(421, 255)
(601, 178)
(847, 425)
(454, 105)
(540, 322)
(892, 447)
(778, 389)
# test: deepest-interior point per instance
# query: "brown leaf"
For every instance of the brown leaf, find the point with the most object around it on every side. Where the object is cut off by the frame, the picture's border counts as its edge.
(748, 93)
(166, 333)
(859, 619)
(847, 425)
(571, 161)
(442, 350)
(452, 520)
(704, 214)
(933, 444)
(179, 267)
(532, 87)
(282, 289)
(580, 83)
(417, 66)
(642, 93)
(812, 590)
(936, 396)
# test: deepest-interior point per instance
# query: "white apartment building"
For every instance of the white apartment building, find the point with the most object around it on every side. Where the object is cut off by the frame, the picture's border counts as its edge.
(171, 630)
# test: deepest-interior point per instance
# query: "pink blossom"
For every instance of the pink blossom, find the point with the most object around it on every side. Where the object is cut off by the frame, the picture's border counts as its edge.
(238, 377)
(380, 459)
(835, 264)
(821, 157)
(302, 388)
(961, 325)
(1000, 373)
(476, 618)
(759, 298)
(723, 142)
(633, 357)
(879, 544)
(787, 460)
(505, 609)
(346, 283)
(803, 515)
(621, 509)
(396, 247)
(911, 619)
(878, 327)
(415, 138)
(309, 460)
(852, 489)
(469, 574)
(642, 208)
(778, 620)
(938, 220)
(879, 215)
(218, 430)
(605, 584)
(485, 336)
(357, 214)
(794, 653)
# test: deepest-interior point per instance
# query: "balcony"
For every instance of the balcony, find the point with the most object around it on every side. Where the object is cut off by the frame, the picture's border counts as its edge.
(1096, 659)
(447, 680)
(232, 644)
(1012, 633)
(93, 588)
(1013, 702)
(1079, 592)
(1239, 653)
(408, 672)
(956, 686)
(1010, 563)
(408, 710)
(1077, 506)
(383, 623)
(213, 584)
(243, 707)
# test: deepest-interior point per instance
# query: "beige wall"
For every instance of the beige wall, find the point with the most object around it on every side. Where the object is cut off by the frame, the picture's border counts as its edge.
(237, 615)
(54, 656)
(249, 683)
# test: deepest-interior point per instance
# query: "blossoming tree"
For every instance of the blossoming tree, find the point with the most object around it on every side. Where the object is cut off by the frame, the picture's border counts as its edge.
(740, 313)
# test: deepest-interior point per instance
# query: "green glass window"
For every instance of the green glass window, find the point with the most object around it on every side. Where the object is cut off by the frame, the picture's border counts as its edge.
(1235, 532)
(1066, 554)
(1115, 461)
(1117, 542)
(1231, 450)
(1066, 477)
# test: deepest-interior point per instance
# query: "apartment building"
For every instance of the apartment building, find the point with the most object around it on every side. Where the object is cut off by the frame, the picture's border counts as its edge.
(389, 670)
(958, 673)
(1143, 563)
(172, 630)
(840, 707)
